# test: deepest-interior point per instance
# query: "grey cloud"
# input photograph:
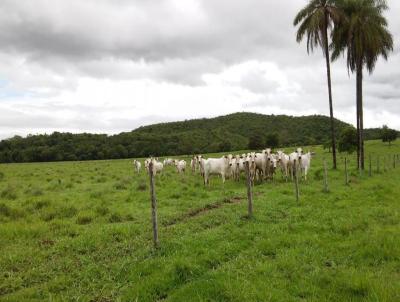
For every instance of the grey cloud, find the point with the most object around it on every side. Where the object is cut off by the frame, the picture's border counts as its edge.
(46, 46)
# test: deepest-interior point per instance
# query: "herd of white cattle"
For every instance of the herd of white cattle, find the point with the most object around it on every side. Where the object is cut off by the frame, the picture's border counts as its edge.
(262, 165)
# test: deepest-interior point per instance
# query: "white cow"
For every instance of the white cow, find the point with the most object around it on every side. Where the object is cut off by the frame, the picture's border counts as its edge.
(283, 162)
(261, 164)
(251, 159)
(168, 162)
(157, 166)
(200, 164)
(180, 165)
(273, 163)
(305, 162)
(137, 165)
(294, 159)
(215, 166)
(193, 164)
(240, 162)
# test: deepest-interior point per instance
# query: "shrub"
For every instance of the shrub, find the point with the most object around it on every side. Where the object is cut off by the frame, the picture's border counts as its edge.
(348, 140)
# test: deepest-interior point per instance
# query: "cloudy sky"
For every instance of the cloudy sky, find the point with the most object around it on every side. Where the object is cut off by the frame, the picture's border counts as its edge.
(108, 66)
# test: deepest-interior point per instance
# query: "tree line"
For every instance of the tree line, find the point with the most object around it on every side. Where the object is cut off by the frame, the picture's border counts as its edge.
(233, 132)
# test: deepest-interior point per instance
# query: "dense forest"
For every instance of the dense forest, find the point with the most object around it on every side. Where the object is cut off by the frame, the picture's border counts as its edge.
(224, 133)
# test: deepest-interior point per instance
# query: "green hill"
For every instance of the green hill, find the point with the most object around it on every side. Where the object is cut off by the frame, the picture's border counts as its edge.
(224, 133)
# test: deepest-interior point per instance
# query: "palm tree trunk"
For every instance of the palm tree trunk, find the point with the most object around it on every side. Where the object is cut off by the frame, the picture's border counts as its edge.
(328, 71)
(360, 122)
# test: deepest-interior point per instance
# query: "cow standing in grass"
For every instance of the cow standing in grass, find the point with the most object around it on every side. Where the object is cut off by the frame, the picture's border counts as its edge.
(304, 163)
(137, 165)
(180, 165)
(215, 166)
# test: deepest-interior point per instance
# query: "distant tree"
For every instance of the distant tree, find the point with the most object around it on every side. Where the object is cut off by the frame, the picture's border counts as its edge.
(327, 145)
(272, 140)
(388, 135)
(225, 146)
(255, 142)
(348, 140)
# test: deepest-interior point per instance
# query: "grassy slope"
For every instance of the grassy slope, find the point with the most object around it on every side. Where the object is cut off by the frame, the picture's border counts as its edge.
(81, 231)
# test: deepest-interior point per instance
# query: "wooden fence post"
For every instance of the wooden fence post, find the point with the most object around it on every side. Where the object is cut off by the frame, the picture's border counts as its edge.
(346, 174)
(370, 166)
(153, 206)
(394, 161)
(326, 189)
(384, 163)
(377, 165)
(296, 181)
(249, 190)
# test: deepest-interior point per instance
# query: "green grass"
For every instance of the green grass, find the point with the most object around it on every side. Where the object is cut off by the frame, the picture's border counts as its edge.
(81, 231)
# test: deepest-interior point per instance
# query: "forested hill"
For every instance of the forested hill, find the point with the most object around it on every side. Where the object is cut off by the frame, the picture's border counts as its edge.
(224, 133)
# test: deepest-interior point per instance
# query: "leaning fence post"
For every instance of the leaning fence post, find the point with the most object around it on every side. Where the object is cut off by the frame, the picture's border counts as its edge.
(296, 181)
(370, 166)
(326, 189)
(249, 190)
(346, 174)
(153, 205)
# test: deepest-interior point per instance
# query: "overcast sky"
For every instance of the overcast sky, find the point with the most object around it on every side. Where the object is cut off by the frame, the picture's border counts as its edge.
(108, 66)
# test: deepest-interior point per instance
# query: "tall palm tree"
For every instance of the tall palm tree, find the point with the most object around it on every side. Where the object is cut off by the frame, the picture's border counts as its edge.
(363, 35)
(315, 20)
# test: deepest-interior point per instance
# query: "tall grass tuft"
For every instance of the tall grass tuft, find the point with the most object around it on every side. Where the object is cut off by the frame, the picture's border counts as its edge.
(9, 192)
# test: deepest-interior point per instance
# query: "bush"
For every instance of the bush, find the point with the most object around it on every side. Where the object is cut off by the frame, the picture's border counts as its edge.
(348, 140)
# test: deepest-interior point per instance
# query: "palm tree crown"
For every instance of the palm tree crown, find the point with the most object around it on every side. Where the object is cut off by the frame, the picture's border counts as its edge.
(362, 34)
(314, 19)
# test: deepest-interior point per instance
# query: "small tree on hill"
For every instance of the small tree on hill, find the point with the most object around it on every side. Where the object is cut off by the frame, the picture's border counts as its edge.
(348, 140)
(225, 146)
(388, 135)
(272, 140)
(255, 142)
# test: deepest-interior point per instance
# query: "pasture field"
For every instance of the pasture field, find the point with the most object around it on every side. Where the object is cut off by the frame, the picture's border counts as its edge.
(81, 231)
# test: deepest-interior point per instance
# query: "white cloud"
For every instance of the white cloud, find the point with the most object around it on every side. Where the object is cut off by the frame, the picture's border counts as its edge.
(111, 66)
